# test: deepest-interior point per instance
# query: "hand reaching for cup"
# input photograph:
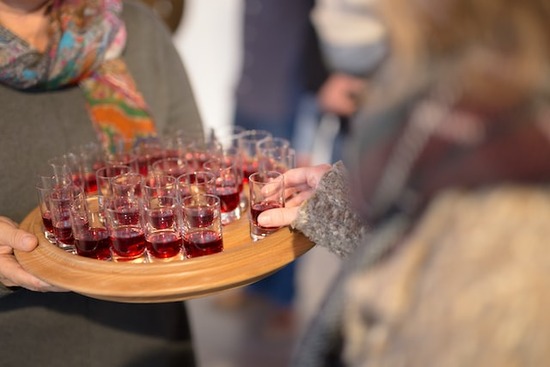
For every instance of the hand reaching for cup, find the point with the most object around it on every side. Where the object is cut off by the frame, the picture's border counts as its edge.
(300, 184)
(11, 272)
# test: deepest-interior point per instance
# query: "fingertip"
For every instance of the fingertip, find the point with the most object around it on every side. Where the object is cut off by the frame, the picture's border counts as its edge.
(28, 242)
(265, 219)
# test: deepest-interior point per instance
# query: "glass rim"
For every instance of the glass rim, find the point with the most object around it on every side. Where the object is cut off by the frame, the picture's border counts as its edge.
(212, 200)
(180, 178)
(112, 166)
(267, 176)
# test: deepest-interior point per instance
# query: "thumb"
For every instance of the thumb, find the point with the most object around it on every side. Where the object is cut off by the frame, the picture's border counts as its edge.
(14, 237)
(278, 217)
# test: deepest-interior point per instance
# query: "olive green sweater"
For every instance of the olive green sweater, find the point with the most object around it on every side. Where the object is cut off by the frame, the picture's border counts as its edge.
(66, 329)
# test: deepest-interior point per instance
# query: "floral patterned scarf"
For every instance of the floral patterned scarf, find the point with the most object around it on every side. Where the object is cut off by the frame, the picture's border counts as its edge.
(87, 40)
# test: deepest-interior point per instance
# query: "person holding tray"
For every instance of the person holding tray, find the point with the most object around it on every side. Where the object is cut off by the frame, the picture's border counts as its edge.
(73, 71)
(443, 206)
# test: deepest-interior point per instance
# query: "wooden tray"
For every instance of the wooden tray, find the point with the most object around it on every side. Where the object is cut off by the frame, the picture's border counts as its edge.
(242, 262)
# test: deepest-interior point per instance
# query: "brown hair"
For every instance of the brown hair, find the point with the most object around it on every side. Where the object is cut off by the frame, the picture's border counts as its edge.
(495, 51)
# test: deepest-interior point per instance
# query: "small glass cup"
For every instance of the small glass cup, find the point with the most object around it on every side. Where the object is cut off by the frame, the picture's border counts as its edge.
(247, 145)
(105, 175)
(271, 144)
(232, 153)
(65, 169)
(104, 178)
(91, 237)
(175, 145)
(44, 188)
(60, 201)
(161, 219)
(200, 151)
(202, 227)
(170, 166)
(124, 219)
(277, 160)
(129, 159)
(266, 192)
(148, 152)
(127, 184)
(91, 158)
(272, 154)
(226, 135)
(228, 184)
(193, 183)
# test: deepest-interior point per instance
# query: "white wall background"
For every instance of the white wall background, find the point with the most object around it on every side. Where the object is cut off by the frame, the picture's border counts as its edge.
(208, 40)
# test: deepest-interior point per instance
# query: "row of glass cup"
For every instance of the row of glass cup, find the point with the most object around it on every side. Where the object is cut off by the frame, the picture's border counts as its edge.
(154, 217)
(250, 150)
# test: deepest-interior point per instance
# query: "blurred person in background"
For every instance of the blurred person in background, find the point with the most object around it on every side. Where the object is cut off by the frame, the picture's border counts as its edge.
(303, 60)
(353, 45)
(281, 65)
(442, 208)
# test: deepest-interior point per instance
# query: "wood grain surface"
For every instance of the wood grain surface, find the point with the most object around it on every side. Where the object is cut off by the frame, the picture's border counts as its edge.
(242, 262)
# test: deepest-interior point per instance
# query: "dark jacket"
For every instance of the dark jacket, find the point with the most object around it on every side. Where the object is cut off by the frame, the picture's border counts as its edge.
(281, 58)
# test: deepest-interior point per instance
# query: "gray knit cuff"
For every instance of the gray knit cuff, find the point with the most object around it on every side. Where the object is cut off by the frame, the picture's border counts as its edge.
(327, 217)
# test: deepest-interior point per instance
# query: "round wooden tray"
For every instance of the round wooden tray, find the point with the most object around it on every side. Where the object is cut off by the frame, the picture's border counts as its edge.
(242, 262)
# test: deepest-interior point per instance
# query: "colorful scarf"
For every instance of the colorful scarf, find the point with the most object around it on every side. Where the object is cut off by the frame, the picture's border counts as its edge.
(87, 40)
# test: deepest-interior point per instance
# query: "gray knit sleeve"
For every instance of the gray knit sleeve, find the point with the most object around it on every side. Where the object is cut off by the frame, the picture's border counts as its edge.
(327, 217)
